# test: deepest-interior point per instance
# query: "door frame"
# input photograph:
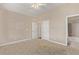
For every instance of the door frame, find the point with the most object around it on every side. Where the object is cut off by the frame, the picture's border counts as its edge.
(67, 26)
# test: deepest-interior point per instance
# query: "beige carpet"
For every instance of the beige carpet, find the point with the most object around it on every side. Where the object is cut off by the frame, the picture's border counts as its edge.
(37, 47)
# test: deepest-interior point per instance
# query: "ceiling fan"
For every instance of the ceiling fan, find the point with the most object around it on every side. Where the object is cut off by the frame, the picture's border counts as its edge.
(37, 5)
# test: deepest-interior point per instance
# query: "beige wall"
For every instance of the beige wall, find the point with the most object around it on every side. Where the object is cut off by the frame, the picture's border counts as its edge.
(14, 26)
(57, 17)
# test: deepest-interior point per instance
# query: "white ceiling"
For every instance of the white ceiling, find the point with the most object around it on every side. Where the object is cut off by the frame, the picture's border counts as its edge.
(26, 9)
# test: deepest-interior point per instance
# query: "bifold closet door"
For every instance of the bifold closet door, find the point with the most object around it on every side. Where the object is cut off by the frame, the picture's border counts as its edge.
(45, 29)
(34, 30)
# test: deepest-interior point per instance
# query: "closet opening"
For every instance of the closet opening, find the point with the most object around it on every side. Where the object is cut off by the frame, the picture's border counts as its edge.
(73, 29)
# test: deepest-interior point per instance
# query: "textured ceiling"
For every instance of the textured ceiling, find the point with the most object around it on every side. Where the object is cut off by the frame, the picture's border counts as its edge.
(26, 9)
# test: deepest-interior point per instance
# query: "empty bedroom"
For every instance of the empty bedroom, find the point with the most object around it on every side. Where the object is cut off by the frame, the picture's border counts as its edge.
(39, 28)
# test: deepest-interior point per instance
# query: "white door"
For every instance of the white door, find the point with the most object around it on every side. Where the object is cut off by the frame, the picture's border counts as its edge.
(34, 30)
(45, 29)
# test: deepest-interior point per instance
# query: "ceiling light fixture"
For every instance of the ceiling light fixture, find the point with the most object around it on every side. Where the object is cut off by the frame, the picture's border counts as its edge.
(37, 5)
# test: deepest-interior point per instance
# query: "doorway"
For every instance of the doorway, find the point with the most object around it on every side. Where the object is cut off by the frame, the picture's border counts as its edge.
(45, 29)
(40, 30)
(73, 29)
(34, 30)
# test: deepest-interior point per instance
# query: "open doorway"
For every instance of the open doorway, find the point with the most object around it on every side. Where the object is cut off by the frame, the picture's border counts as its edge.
(40, 30)
(45, 29)
(35, 30)
(73, 29)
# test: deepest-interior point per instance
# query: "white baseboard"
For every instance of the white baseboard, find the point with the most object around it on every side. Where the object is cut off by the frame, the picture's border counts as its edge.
(56, 42)
(18, 41)
(13, 42)
(74, 38)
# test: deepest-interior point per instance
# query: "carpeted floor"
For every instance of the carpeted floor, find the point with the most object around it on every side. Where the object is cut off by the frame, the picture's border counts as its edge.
(37, 47)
